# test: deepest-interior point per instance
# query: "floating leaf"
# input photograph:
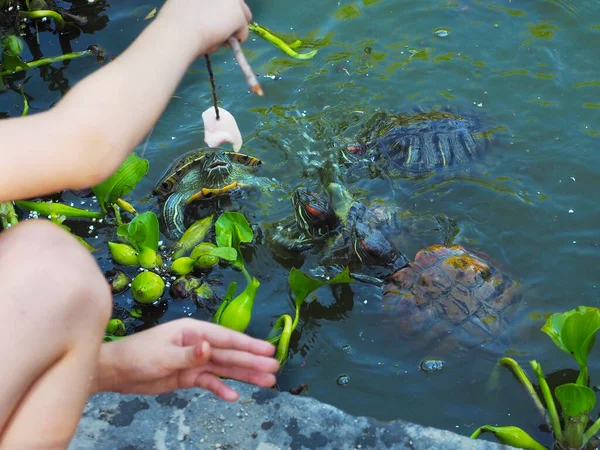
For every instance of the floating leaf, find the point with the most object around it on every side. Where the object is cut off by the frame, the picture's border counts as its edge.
(511, 436)
(232, 229)
(142, 231)
(123, 181)
(302, 285)
(58, 209)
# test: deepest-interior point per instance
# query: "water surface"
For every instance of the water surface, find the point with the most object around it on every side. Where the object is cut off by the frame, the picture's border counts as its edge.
(528, 67)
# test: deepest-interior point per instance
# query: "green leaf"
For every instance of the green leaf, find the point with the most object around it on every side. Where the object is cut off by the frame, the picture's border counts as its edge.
(123, 181)
(577, 402)
(575, 399)
(511, 436)
(302, 285)
(142, 231)
(232, 229)
(574, 332)
(58, 209)
(226, 253)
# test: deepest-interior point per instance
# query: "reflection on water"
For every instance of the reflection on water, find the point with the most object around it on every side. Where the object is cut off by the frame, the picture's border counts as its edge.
(528, 69)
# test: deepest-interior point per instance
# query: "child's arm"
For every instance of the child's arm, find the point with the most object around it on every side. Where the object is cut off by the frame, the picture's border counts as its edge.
(87, 135)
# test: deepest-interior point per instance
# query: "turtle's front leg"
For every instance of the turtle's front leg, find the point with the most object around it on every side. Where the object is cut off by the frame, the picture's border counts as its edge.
(205, 192)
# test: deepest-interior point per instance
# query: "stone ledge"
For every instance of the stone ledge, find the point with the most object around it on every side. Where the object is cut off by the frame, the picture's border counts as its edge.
(261, 420)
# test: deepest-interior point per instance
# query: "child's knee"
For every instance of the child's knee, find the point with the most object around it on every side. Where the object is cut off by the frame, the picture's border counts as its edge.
(42, 256)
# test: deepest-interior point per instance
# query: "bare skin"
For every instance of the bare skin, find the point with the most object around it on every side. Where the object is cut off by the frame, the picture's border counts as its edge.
(55, 301)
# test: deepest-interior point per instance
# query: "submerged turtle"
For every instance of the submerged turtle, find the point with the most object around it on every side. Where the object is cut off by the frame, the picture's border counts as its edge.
(200, 174)
(451, 292)
(447, 289)
(418, 144)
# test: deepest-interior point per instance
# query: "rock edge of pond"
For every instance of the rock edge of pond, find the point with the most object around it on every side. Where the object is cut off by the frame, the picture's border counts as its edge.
(262, 419)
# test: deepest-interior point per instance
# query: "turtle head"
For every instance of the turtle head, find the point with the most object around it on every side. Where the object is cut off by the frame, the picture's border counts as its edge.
(217, 166)
(314, 213)
(375, 250)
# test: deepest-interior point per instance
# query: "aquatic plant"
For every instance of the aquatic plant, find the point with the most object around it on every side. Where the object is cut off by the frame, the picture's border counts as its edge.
(574, 332)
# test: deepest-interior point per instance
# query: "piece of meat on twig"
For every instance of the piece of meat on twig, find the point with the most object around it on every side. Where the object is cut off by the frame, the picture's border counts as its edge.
(221, 130)
(246, 69)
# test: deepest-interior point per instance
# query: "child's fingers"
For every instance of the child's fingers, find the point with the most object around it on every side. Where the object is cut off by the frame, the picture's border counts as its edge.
(244, 360)
(262, 379)
(213, 384)
(187, 357)
(221, 337)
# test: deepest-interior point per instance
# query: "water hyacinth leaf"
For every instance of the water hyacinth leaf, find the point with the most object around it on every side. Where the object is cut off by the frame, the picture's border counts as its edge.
(195, 234)
(57, 209)
(575, 400)
(302, 285)
(142, 231)
(574, 332)
(123, 181)
(510, 435)
(13, 45)
(226, 253)
(232, 229)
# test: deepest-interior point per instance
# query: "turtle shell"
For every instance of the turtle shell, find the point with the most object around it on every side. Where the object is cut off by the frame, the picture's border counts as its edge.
(450, 291)
(194, 159)
(422, 142)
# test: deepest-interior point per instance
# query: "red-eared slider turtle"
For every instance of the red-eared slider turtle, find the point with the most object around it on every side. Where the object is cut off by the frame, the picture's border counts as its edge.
(417, 144)
(451, 292)
(347, 231)
(447, 291)
(203, 173)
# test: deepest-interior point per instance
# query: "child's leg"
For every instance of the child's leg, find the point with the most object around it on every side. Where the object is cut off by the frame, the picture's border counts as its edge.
(54, 307)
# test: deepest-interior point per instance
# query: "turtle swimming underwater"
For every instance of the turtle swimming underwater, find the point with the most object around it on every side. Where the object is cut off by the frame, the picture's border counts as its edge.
(417, 144)
(203, 173)
(331, 223)
(447, 289)
(451, 292)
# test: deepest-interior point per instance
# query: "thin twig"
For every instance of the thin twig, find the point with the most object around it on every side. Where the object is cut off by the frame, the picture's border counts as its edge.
(246, 69)
(212, 83)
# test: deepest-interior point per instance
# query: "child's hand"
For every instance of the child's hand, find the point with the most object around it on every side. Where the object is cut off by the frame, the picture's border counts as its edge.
(182, 354)
(209, 22)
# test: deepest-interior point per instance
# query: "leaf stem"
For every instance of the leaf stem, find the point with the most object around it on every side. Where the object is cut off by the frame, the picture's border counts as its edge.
(591, 431)
(40, 14)
(537, 368)
(246, 274)
(524, 380)
(117, 211)
(278, 42)
(46, 61)
(283, 346)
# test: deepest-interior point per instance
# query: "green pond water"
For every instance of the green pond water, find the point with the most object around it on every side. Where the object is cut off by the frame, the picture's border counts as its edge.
(531, 204)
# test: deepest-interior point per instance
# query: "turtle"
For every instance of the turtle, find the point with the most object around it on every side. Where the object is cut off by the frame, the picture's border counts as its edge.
(201, 174)
(333, 222)
(417, 144)
(451, 296)
(446, 290)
